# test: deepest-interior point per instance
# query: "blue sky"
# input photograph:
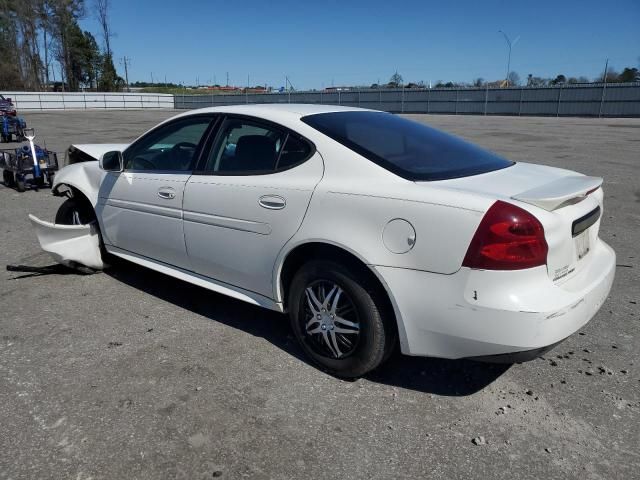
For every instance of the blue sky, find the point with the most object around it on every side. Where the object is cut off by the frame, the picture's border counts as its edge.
(360, 42)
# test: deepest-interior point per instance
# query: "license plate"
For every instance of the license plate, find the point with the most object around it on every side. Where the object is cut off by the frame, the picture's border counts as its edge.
(582, 244)
(43, 164)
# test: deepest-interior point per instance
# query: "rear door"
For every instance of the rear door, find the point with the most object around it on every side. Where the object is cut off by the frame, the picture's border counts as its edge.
(141, 207)
(248, 200)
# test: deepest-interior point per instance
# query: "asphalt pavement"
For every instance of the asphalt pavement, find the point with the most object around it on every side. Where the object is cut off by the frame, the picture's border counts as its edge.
(132, 374)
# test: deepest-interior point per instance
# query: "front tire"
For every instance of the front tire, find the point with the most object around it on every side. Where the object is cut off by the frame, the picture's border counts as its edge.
(72, 212)
(340, 318)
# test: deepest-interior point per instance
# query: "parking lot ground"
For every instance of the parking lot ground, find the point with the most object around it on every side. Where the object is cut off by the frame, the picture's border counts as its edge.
(132, 374)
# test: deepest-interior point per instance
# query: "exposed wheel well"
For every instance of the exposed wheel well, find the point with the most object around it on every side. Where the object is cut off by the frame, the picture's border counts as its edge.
(324, 251)
(69, 191)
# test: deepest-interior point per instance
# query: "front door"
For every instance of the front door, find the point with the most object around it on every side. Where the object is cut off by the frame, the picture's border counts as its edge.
(248, 201)
(141, 207)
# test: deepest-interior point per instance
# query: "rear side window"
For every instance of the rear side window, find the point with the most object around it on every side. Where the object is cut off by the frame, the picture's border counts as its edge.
(408, 149)
(246, 147)
(293, 152)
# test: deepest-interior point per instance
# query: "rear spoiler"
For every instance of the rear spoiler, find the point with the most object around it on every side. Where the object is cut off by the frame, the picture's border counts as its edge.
(560, 192)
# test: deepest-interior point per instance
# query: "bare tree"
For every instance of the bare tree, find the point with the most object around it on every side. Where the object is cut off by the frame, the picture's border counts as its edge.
(513, 79)
(102, 7)
(11, 76)
(63, 20)
(396, 80)
(19, 29)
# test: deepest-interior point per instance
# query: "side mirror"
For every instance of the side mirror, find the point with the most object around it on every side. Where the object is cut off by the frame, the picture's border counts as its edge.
(112, 161)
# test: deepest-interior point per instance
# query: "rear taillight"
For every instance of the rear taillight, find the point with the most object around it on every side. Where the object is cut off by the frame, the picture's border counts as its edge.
(508, 238)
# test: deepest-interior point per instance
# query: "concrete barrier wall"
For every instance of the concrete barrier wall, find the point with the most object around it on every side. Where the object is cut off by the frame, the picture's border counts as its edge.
(25, 101)
(594, 100)
(610, 100)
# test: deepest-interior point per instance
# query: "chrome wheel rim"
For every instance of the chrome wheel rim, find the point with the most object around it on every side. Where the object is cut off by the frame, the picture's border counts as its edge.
(330, 324)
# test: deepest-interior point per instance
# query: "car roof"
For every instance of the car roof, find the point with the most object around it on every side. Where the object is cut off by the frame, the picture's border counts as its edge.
(270, 110)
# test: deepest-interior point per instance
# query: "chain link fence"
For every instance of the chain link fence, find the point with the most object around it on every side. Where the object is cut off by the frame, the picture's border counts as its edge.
(593, 100)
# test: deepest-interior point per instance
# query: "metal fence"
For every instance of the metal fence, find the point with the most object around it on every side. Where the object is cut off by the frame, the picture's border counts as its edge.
(89, 100)
(595, 100)
(599, 100)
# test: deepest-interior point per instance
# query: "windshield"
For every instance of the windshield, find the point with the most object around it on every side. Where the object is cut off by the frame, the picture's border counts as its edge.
(409, 149)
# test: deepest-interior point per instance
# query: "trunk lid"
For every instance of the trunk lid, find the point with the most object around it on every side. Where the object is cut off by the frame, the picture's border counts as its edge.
(568, 205)
(560, 192)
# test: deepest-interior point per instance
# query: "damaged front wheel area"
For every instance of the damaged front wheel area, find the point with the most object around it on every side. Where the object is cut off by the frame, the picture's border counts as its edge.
(73, 212)
(74, 239)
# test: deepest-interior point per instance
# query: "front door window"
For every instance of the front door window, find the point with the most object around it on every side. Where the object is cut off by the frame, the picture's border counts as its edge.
(171, 148)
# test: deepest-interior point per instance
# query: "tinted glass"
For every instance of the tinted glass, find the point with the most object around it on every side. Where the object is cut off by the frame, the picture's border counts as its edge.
(409, 149)
(171, 147)
(293, 152)
(245, 147)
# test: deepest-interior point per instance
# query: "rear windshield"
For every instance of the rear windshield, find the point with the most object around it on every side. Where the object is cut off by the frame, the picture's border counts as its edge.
(409, 149)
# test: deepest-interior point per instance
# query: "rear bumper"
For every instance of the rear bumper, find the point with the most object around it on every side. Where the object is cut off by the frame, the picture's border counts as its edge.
(516, 357)
(479, 313)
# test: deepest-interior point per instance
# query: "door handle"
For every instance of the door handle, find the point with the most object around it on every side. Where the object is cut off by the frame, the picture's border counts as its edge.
(272, 202)
(167, 193)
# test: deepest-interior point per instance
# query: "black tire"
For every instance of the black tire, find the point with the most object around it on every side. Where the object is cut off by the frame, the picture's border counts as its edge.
(361, 298)
(73, 212)
(20, 184)
(8, 178)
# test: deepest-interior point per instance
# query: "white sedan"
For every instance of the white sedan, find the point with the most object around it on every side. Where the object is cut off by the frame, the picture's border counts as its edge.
(369, 229)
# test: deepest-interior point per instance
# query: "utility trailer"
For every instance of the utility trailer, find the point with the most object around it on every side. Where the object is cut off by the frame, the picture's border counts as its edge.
(7, 107)
(19, 170)
(12, 128)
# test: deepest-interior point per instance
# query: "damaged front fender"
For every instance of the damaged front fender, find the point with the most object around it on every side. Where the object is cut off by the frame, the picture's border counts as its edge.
(85, 177)
(70, 245)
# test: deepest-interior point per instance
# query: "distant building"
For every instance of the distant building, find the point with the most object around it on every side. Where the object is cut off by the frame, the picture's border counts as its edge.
(337, 89)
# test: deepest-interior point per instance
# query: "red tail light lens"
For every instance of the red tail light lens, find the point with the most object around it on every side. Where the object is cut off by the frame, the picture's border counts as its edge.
(508, 238)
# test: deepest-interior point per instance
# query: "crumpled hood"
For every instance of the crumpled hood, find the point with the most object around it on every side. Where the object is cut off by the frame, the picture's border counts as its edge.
(94, 150)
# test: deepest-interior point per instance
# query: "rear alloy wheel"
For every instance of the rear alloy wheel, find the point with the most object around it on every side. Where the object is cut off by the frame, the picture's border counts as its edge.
(340, 319)
(331, 323)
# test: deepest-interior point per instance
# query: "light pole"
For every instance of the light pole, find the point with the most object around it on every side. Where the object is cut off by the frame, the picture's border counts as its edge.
(127, 63)
(510, 44)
